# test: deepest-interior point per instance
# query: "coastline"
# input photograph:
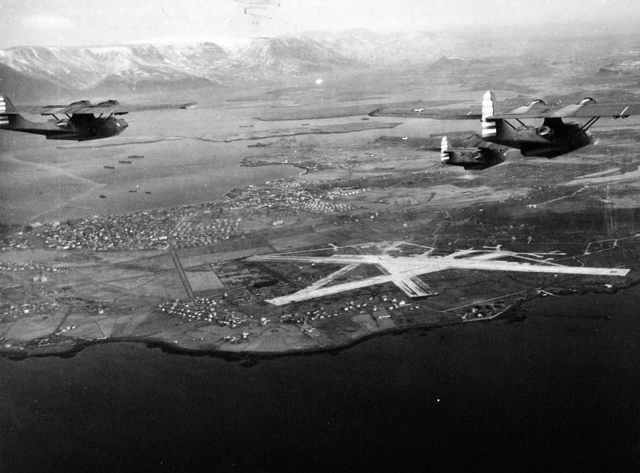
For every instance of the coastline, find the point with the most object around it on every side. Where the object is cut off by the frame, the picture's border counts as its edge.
(56, 350)
(77, 345)
(254, 163)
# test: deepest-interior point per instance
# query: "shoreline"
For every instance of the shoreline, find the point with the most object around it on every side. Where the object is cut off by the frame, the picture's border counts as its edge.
(78, 345)
(250, 163)
(231, 355)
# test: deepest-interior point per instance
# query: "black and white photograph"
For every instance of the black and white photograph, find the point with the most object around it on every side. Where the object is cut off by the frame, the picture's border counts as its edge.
(313, 236)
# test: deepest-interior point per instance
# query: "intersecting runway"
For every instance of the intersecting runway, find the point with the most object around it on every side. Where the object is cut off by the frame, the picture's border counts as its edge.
(403, 271)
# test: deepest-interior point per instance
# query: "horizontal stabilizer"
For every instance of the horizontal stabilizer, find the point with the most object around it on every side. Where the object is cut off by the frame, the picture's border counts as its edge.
(6, 108)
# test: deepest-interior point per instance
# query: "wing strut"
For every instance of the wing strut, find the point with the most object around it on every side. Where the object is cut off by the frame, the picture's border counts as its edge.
(508, 123)
(590, 123)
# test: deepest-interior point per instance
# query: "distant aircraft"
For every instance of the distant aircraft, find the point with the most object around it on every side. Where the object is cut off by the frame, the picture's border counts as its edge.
(479, 154)
(83, 120)
(553, 138)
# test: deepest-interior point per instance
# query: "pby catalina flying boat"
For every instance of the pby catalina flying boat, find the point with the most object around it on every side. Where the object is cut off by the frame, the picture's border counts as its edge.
(476, 154)
(551, 139)
(78, 121)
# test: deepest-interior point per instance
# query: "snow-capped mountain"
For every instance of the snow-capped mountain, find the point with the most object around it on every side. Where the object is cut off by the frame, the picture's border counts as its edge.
(85, 68)
(160, 65)
(187, 63)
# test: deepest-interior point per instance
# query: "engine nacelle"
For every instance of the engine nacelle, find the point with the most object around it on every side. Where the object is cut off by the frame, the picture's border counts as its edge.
(527, 108)
(586, 100)
(80, 103)
(108, 103)
(569, 110)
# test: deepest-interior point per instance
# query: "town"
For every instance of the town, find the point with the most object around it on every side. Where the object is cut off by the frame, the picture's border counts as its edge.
(182, 227)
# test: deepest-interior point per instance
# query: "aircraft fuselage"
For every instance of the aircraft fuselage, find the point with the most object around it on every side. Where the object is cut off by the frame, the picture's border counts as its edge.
(552, 139)
(79, 127)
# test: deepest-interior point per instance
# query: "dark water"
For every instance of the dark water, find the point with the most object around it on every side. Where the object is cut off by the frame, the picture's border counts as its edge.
(559, 391)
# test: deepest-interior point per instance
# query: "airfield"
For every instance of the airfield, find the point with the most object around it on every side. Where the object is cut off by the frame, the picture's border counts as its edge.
(171, 232)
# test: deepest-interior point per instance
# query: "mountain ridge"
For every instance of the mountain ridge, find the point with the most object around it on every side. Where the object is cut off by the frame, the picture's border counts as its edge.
(166, 64)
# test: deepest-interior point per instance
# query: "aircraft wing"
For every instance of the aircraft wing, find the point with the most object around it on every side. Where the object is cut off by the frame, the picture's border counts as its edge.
(476, 141)
(584, 109)
(110, 107)
(17, 110)
(431, 113)
(124, 109)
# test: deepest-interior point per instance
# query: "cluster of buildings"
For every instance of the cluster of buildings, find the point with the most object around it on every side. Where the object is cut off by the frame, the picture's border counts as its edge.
(29, 266)
(137, 231)
(9, 310)
(189, 233)
(18, 242)
(243, 338)
(210, 310)
(95, 307)
(377, 307)
(181, 227)
(303, 318)
(316, 206)
(345, 192)
(133, 231)
(287, 196)
(205, 310)
(484, 311)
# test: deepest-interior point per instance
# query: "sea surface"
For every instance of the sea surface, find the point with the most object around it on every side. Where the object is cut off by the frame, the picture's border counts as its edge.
(556, 391)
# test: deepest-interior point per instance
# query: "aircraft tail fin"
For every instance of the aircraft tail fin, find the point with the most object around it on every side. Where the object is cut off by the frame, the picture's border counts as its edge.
(444, 150)
(5, 106)
(488, 110)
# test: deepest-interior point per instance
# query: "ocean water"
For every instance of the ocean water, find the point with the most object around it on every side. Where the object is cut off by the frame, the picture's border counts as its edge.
(557, 391)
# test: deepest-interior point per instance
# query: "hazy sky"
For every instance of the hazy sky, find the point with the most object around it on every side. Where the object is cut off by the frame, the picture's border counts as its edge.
(94, 22)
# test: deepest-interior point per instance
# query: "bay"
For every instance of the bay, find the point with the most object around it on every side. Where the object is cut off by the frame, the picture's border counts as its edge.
(557, 391)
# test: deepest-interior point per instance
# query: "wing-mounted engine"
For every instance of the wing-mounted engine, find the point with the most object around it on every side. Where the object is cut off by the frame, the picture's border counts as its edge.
(79, 103)
(570, 110)
(108, 103)
(470, 158)
(109, 107)
(534, 104)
